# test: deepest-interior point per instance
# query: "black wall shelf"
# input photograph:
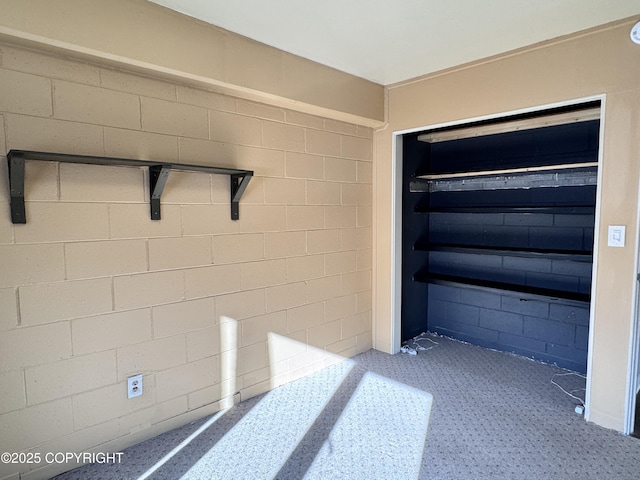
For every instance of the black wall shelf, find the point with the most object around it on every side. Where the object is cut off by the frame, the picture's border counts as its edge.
(158, 175)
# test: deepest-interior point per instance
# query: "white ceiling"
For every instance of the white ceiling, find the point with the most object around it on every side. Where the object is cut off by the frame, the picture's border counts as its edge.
(387, 41)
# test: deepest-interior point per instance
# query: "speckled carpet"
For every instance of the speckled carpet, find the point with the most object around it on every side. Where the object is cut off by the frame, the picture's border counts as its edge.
(494, 416)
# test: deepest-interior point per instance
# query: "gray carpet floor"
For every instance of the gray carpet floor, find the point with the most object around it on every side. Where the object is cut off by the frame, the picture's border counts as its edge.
(494, 416)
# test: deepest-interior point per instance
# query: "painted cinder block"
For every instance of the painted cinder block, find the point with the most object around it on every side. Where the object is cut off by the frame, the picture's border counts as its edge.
(238, 248)
(263, 162)
(147, 289)
(524, 306)
(360, 148)
(306, 316)
(542, 265)
(466, 314)
(134, 221)
(304, 119)
(236, 306)
(501, 321)
(341, 262)
(323, 143)
(341, 307)
(291, 295)
(324, 288)
(256, 329)
(53, 135)
(364, 173)
(285, 191)
(27, 264)
(364, 216)
(522, 345)
(324, 241)
(356, 238)
(323, 193)
(34, 425)
(344, 216)
(181, 317)
(105, 258)
(31, 61)
(340, 170)
(260, 110)
(261, 218)
(251, 358)
(354, 282)
(235, 129)
(573, 314)
(285, 244)
(304, 165)
(196, 151)
(203, 343)
(52, 302)
(549, 331)
(149, 357)
(12, 391)
(305, 268)
(187, 378)
(202, 98)
(478, 298)
(124, 143)
(190, 187)
(136, 84)
(64, 222)
(68, 377)
(161, 116)
(106, 403)
(106, 332)
(305, 217)
(26, 347)
(263, 274)
(100, 106)
(9, 308)
(283, 137)
(357, 194)
(25, 94)
(182, 252)
(212, 280)
(325, 334)
(356, 324)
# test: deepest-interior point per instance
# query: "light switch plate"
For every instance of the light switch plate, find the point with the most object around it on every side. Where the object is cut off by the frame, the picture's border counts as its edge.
(616, 235)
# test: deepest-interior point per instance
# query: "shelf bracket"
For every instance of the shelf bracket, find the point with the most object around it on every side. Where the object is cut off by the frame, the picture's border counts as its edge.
(16, 188)
(158, 175)
(239, 184)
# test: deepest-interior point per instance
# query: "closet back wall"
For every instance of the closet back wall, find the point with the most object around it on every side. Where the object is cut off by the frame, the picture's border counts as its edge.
(92, 291)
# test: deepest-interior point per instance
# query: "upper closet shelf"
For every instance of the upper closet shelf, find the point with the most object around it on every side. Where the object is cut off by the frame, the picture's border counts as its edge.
(577, 174)
(158, 174)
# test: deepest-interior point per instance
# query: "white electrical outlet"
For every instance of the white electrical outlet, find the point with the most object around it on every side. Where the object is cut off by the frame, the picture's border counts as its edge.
(134, 386)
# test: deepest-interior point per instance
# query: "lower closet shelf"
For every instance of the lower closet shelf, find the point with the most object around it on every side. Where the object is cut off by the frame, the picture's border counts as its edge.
(524, 290)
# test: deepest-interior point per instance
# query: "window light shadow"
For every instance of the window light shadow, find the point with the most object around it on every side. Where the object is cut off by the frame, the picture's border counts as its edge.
(324, 418)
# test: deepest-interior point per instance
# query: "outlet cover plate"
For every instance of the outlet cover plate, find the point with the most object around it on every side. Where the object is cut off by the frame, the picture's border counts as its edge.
(134, 386)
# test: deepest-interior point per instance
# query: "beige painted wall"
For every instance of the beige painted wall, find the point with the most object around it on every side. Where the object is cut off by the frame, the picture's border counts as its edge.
(208, 310)
(601, 62)
(155, 39)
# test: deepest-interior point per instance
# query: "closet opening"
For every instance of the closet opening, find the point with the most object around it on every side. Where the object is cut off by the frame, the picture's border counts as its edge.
(498, 221)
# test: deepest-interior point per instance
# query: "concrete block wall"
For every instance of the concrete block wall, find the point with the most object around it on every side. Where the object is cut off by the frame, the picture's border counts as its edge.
(547, 330)
(209, 310)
